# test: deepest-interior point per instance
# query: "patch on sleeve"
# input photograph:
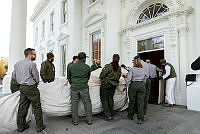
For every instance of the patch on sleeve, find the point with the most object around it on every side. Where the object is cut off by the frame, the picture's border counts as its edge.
(104, 68)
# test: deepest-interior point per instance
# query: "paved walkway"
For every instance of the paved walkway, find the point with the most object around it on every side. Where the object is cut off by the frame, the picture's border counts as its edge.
(160, 120)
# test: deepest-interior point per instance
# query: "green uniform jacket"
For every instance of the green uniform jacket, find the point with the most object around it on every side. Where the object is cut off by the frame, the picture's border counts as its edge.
(47, 71)
(94, 67)
(109, 75)
(68, 69)
(79, 74)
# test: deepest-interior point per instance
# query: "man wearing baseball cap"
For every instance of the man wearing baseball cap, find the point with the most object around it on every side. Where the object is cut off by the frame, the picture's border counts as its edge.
(79, 74)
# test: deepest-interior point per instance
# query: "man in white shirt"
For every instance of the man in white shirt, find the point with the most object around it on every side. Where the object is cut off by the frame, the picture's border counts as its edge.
(170, 77)
(153, 75)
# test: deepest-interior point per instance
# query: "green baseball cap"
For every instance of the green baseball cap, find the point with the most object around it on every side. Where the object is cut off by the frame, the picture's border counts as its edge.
(82, 55)
(162, 61)
(116, 57)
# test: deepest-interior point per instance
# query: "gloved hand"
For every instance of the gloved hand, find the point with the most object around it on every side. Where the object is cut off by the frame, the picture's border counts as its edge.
(124, 89)
(160, 77)
(66, 83)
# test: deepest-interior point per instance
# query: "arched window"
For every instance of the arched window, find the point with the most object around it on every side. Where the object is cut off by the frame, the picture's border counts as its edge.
(152, 11)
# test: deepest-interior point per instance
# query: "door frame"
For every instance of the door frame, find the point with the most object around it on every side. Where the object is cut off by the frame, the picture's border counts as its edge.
(161, 94)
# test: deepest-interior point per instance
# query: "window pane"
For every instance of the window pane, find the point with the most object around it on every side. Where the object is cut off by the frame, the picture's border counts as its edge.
(63, 50)
(151, 44)
(96, 45)
(152, 11)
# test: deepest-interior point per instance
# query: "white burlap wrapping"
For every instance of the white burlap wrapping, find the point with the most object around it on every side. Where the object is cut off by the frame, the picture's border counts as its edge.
(8, 109)
(55, 101)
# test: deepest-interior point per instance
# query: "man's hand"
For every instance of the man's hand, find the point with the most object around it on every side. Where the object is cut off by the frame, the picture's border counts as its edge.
(160, 77)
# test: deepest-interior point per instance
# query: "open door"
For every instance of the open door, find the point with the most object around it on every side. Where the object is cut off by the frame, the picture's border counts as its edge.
(155, 57)
(161, 97)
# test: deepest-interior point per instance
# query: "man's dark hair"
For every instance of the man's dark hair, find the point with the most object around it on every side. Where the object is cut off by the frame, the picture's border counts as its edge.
(137, 57)
(75, 57)
(28, 51)
(50, 55)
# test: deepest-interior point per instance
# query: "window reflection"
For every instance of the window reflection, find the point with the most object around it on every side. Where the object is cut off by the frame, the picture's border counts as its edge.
(151, 44)
(96, 45)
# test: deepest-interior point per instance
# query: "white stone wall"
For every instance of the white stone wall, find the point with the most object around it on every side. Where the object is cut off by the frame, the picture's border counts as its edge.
(105, 16)
(68, 34)
(117, 21)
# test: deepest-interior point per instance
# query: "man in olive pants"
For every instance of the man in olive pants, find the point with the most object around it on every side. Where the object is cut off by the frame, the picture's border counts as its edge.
(78, 76)
(26, 74)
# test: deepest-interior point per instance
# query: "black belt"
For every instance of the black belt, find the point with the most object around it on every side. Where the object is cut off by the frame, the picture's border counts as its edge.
(138, 81)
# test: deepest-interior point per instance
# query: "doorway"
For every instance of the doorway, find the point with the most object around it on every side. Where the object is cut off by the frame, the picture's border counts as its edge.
(154, 56)
(157, 93)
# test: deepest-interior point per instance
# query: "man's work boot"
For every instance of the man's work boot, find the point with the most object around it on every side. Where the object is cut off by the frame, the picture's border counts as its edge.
(22, 129)
(40, 129)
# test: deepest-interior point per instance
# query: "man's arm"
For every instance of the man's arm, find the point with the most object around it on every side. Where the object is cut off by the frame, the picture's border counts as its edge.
(118, 74)
(92, 68)
(43, 71)
(69, 75)
(167, 69)
(158, 69)
(89, 72)
(35, 73)
(196, 64)
(104, 73)
(129, 78)
(14, 74)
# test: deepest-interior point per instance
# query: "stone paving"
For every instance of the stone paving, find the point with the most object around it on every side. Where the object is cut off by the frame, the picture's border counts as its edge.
(160, 120)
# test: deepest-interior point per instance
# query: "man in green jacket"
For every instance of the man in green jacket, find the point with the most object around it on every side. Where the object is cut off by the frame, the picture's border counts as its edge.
(75, 59)
(47, 71)
(79, 74)
(96, 65)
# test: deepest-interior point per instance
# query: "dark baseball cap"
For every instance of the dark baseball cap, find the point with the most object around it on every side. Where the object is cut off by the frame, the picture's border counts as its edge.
(162, 61)
(82, 55)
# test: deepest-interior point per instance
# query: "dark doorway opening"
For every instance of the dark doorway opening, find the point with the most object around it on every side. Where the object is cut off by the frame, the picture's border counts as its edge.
(157, 89)
(154, 56)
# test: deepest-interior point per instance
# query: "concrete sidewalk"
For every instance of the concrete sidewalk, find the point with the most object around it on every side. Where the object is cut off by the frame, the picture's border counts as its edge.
(160, 120)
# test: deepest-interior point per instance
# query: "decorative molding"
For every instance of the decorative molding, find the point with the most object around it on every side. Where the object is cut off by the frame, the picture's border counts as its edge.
(62, 36)
(41, 48)
(183, 31)
(137, 5)
(63, 25)
(49, 42)
(91, 5)
(101, 17)
(41, 5)
(166, 16)
(124, 3)
(51, 34)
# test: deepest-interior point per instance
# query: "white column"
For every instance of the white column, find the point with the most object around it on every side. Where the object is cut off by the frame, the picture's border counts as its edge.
(197, 22)
(75, 25)
(184, 63)
(17, 39)
(113, 25)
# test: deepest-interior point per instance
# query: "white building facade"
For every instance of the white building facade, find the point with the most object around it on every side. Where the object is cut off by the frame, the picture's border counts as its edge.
(153, 29)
